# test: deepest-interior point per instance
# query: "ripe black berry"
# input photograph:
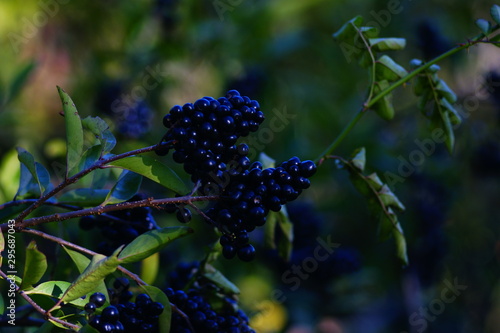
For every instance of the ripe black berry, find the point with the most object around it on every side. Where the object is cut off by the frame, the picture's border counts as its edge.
(98, 299)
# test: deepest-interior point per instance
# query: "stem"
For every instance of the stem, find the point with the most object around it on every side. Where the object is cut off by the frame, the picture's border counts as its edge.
(39, 309)
(370, 102)
(100, 210)
(28, 201)
(98, 164)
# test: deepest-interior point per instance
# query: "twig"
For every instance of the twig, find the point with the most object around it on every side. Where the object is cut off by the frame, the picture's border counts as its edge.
(98, 164)
(100, 210)
(39, 309)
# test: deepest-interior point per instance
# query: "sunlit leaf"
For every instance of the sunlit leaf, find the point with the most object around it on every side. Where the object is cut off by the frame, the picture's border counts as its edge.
(387, 69)
(99, 267)
(151, 242)
(35, 266)
(74, 132)
(216, 277)
(154, 170)
(387, 44)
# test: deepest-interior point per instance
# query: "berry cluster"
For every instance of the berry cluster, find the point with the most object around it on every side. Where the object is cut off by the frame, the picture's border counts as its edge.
(123, 315)
(204, 134)
(203, 317)
(120, 227)
(250, 197)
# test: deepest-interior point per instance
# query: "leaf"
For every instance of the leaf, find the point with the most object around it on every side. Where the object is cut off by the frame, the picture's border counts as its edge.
(74, 132)
(448, 129)
(82, 262)
(38, 172)
(495, 13)
(84, 197)
(286, 228)
(2, 248)
(484, 26)
(387, 44)
(159, 296)
(387, 69)
(55, 289)
(369, 32)
(100, 129)
(382, 202)
(150, 267)
(383, 107)
(270, 230)
(151, 242)
(348, 31)
(35, 265)
(454, 115)
(28, 186)
(19, 81)
(88, 329)
(154, 170)
(219, 280)
(99, 267)
(444, 91)
(267, 161)
(125, 188)
(359, 158)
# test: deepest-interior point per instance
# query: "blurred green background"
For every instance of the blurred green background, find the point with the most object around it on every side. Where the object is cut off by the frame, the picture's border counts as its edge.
(129, 62)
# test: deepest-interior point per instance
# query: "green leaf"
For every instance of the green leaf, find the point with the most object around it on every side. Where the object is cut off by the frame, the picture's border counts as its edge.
(101, 131)
(421, 85)
(151, 242)
(2, 303)
(484, 26)
(2, 248)
(270, 230)
(82, 262)
(348, 31)
(88, 329)
(159, 296)
(125, 188)
(19, 81)
(369, 32)
(448, 129)
(154, 170)
(383, 107)
(28, 186)
(54, 289)
(90, 156)
(454, 116)
(414, 63)
(359, 158)
(387, 69)
(219, 280)
(38, 172)
(84, 197)
(381, 201)
(74, 132)
(150, 267)
(267, 161)
(35, 266)
(387, 44)
(444, 91)
(495, 13)
(99, 267)
(286, 227)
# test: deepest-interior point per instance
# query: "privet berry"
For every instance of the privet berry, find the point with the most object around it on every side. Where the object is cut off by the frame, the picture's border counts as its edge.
(123, 315)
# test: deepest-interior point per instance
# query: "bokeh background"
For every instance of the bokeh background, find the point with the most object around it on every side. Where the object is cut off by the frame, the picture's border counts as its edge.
(129, 62)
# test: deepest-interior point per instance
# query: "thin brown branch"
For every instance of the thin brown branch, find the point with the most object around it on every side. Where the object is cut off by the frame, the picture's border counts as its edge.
(39, 309)
(79, 175)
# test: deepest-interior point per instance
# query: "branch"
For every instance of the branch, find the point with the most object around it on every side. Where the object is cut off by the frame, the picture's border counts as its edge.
(97, 165)
(39, 309)
(110, 208)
